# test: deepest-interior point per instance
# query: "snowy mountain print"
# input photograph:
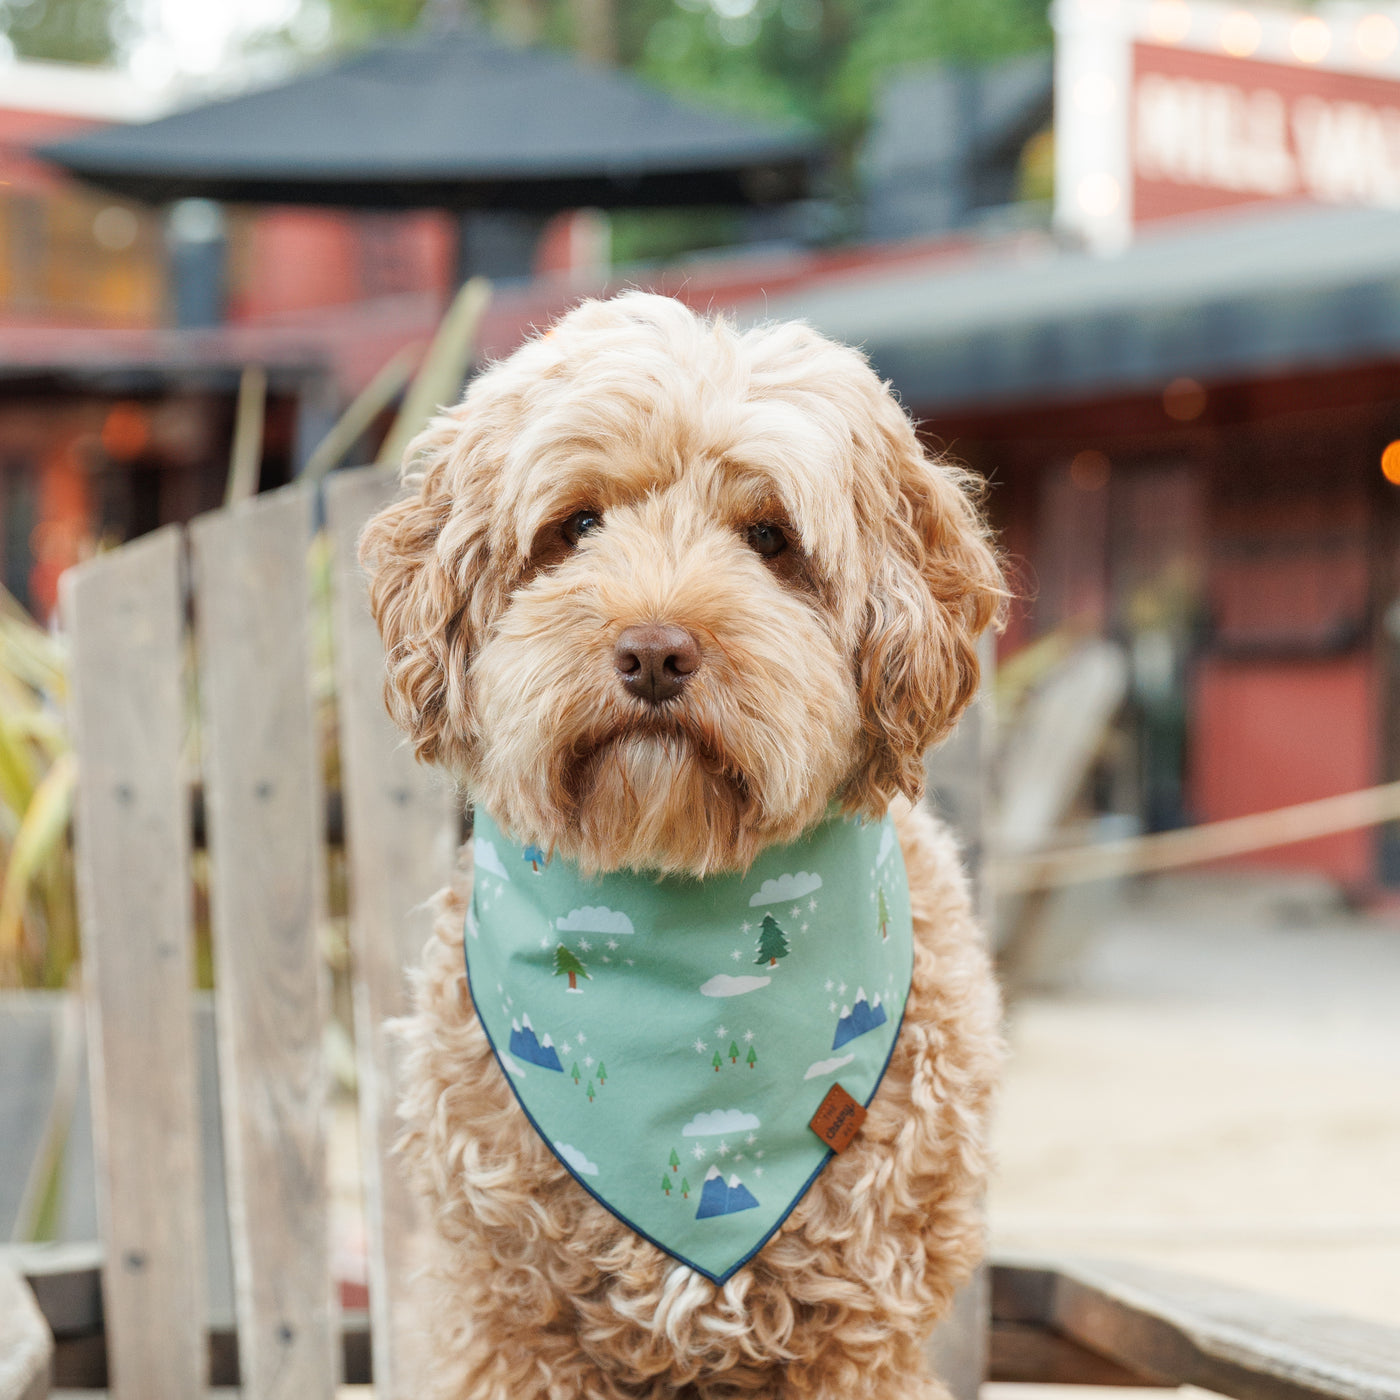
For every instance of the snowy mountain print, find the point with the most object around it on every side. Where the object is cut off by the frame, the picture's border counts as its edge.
(719, 1198)
(524, 1046)
(856, 1020)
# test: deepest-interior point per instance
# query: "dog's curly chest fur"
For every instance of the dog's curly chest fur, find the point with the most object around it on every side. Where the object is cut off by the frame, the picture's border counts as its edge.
(659, 592)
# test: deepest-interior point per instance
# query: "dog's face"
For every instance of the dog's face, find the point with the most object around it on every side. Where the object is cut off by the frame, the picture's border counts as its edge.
(660, 590)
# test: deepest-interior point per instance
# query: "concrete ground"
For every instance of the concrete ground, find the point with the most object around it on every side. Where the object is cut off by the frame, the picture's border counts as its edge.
(1205, 1074)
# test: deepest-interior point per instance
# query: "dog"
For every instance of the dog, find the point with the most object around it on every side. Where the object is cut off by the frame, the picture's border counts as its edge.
(808, 586)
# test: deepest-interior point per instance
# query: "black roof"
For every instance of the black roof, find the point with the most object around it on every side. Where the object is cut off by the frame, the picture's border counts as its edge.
(453, 119)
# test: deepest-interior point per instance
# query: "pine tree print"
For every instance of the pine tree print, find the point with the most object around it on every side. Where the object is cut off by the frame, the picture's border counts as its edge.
(753, 1057)
(772, 943)
(733, 1052)
(574, 1072)
(685, 1189)
(675, 1161)
(602, 1073)
(590, 1091)
(884, 916)
(566, 964)
(666, 1184)
(717, 1062)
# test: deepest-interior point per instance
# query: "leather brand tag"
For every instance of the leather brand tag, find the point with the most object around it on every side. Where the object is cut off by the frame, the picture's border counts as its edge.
(838, 1119)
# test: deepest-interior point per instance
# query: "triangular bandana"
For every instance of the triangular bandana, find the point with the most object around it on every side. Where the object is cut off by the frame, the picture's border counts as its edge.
(671, 1038)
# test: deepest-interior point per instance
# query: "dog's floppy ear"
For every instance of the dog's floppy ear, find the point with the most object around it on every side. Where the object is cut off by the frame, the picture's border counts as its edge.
(935, 587)
(427, 556)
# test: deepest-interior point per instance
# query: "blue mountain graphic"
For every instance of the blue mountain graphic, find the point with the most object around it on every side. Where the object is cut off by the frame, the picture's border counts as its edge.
(524, 1046)
(860, 1018)
(718, 1199)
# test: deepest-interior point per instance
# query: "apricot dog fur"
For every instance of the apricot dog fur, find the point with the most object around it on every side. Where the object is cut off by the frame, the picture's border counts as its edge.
(638, 465)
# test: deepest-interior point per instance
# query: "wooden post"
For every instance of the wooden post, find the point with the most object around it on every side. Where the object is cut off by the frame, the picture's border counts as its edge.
(401, 823)
(125, 614)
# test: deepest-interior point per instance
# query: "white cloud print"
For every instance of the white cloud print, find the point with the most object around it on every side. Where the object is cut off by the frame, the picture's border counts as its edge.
(786, 887)
(722, 986)
(827, 1066)
(721, 1121)
(576, 1159)
(595, 918)
(484, 853)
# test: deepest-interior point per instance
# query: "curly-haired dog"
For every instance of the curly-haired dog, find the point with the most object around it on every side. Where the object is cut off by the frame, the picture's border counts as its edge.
(662, 594)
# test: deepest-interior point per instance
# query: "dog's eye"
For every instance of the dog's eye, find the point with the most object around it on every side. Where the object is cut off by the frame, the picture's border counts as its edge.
(767, 540)
(579, 524)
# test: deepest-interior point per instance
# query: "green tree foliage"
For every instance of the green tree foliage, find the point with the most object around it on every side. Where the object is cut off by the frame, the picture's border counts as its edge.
(733, 1052)
(64, 31)
(675, 1160)
(566, 964)
(753, 1057)
(772, 942)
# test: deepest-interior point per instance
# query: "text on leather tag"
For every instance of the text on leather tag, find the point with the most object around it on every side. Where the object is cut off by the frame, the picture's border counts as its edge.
(838, 1119)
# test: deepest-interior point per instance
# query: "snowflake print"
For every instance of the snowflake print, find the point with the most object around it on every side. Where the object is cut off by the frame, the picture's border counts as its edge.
(831, 1006)
(584, 946)
(564, 1049)
(737, 955)
(613, 945)
(738, 1156)
(796, 911)
(830, 985)
(746, 927)
(510, 1001)
(748, 1037)
(581, 1038)
(588, 1061)
(606, 958)
(758, 1171)
(724, 1149)
(841, 990)
(505, 1010)
(721, 1032)
(700, 1046)
(698, 1153)
(805, 927)
(812, 906)
(631, 962)
(758, 1154)
(544, 943)
(500, 988)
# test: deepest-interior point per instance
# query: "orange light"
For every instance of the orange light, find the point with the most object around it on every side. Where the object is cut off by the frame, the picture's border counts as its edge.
(1390, 463)
(1240, 34)
(126, 431)
(1089, 470)
(1183, 400)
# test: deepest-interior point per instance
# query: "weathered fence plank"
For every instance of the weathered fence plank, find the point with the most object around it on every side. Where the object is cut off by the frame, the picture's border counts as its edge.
(400, 827)
(125, 615)
(263, 795)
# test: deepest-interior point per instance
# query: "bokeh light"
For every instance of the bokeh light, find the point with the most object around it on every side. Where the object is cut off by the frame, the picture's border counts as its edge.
(1184, 400)
(1089, 470)
(1240, 34)
(1390, 463)
(1310, 40)
(1169, 21)
(1099, 194)
(1376, 38)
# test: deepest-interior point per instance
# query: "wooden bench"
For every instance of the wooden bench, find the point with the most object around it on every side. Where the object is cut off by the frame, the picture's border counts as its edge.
(223, 624)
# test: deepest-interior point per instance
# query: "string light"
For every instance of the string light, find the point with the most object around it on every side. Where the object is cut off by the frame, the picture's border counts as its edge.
(1310, 40)
(1240, 34)
(1390, 463)
(1376, 38)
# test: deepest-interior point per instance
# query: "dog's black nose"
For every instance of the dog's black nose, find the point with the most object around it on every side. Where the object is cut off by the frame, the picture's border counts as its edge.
(655, 660)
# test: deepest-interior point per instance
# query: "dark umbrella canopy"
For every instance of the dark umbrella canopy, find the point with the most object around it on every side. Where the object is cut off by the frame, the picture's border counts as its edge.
(454, 120)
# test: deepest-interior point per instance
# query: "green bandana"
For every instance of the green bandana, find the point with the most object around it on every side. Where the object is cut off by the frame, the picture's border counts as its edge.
(672, 1038)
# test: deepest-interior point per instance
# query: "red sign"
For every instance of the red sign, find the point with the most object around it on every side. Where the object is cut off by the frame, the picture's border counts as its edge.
(1208, 131)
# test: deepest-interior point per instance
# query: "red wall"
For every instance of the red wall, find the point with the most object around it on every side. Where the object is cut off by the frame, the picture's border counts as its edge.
(1270, 733)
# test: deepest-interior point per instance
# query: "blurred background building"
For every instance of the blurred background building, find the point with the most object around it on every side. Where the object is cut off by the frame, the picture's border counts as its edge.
(1142, 272)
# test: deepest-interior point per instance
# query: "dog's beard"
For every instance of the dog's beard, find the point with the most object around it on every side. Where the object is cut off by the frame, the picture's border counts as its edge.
(747, 756)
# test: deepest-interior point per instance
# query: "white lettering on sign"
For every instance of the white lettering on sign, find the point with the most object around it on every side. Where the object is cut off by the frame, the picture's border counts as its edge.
(1219, 136)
